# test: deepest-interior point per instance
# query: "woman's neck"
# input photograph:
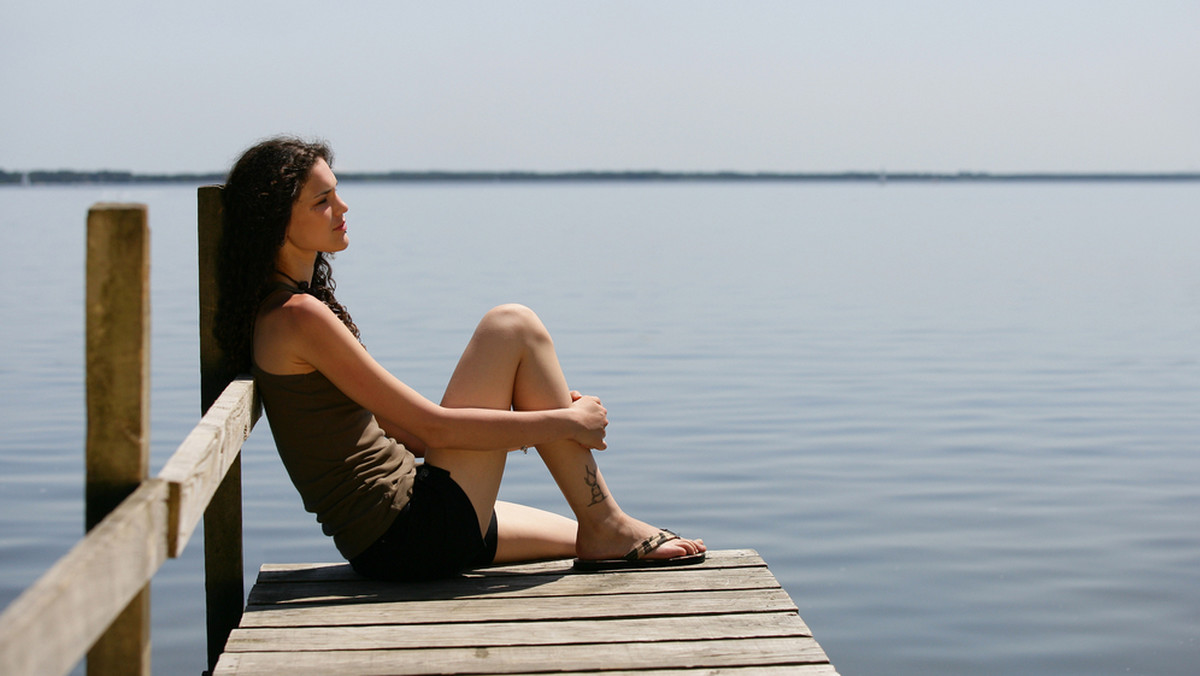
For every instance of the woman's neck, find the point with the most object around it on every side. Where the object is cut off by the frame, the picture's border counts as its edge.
(293, 270)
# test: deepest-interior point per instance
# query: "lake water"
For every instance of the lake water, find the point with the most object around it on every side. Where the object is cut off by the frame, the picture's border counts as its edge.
(960, 422)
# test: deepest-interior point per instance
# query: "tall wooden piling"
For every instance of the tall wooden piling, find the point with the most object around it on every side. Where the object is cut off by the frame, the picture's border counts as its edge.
(224, 588)
(118, 402)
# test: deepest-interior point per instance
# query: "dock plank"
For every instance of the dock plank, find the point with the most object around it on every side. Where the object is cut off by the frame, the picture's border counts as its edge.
(537, 585)
(516, 659)
(728, 615)
(338, 583)
(517, 609)
(488, 634)
(317, 572)
(776, 670)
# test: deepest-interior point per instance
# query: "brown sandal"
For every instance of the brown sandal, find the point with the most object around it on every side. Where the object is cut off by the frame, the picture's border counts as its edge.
(636, 558)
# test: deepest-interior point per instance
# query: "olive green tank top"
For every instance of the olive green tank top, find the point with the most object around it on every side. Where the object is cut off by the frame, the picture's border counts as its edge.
(349, 473)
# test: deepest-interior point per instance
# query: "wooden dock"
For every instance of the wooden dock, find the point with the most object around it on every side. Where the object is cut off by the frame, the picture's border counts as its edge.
(726, 616)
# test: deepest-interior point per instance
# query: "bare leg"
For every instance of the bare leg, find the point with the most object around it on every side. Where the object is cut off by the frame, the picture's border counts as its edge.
(530, 534)
(511, 363)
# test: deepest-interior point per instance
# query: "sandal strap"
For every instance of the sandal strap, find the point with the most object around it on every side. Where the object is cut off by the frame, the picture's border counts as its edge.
(645, 547)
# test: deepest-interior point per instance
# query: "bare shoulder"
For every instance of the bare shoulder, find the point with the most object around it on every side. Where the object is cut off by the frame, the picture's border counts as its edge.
(289, 328)
(297, 311)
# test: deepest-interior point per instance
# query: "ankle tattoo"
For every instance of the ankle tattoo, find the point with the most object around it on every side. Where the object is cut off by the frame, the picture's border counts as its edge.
(593, 483)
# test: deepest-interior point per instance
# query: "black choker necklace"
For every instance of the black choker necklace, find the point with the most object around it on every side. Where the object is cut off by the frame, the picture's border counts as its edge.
(302, 286)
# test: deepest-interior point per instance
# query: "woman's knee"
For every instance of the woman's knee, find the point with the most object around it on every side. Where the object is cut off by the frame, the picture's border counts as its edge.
(515, 321)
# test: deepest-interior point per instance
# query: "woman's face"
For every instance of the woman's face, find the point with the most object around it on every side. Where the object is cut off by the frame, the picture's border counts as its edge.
(318, 220)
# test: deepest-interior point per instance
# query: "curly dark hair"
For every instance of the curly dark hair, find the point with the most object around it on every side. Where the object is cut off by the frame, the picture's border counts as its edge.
(258, 197)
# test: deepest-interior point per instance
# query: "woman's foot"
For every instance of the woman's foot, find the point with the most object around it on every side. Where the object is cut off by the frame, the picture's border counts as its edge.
(622, 535)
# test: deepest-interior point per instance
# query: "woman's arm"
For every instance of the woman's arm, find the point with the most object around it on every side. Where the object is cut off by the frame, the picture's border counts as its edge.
(305, 332)
(397, 431)
(417, 446)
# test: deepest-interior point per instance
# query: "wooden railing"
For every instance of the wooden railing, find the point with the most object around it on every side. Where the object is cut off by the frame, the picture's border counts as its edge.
(96, 598)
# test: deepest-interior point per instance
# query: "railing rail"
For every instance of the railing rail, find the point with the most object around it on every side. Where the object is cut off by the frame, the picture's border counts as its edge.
(52, 624)
(195, 471)
(95, 599)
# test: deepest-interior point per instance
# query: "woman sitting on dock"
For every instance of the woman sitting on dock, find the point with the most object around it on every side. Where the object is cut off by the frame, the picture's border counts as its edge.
(349, 432)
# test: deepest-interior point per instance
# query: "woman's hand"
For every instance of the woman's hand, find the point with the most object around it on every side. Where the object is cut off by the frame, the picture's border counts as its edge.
(593, 418)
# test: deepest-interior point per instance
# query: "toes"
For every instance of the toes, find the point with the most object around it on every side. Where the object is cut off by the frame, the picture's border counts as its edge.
(678, 547)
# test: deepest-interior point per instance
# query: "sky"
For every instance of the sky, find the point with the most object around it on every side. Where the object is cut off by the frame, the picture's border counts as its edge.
(558, 85)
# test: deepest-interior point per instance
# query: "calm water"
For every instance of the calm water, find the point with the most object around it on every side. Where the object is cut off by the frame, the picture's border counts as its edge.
(959, 421)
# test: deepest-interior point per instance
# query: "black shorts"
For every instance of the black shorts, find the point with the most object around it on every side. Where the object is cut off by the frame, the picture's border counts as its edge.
(436, 535)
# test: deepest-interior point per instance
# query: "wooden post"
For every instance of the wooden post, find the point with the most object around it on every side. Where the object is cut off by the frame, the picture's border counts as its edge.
(118, 402)
(224, 588)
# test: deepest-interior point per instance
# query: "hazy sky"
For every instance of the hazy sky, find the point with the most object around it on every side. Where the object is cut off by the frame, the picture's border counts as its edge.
(1010, 85)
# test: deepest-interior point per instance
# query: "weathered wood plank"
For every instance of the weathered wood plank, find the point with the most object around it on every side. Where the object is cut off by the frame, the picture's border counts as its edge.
(518, 609)
(589, 585)
(199, 465)
(496, 634)
(778, 670)
(516, 659)
(48, 628)
(325, 572)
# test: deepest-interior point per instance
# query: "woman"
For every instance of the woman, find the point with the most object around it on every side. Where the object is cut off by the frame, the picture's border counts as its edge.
(349, 432)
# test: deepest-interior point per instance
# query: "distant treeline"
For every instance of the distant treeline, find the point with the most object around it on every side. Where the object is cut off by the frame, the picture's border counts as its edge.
(107, 176)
